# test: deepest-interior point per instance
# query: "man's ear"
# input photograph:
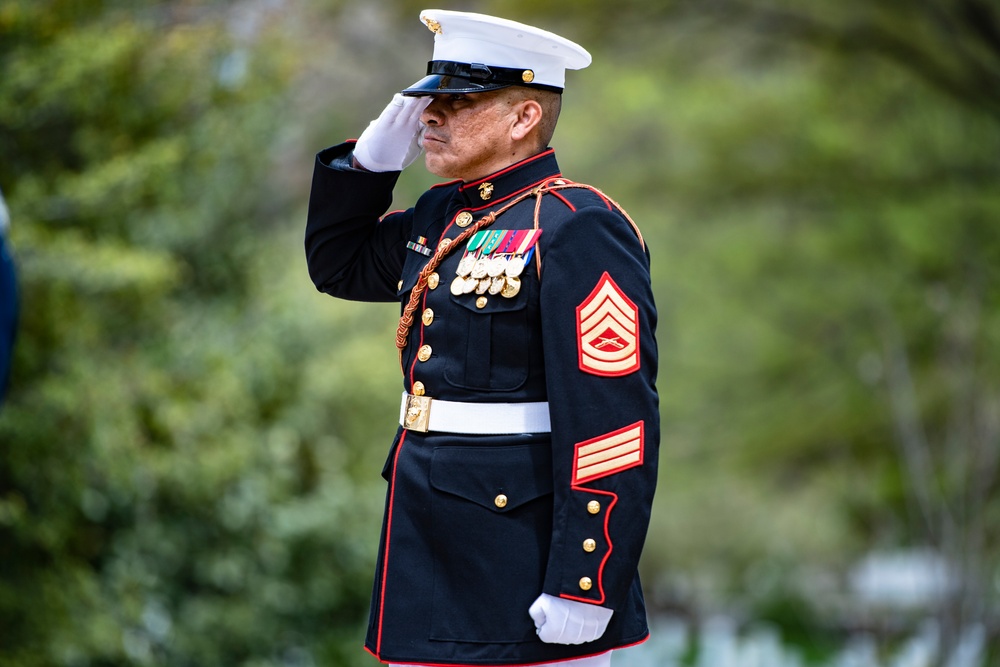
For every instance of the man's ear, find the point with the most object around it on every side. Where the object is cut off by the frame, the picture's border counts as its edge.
(527, 120)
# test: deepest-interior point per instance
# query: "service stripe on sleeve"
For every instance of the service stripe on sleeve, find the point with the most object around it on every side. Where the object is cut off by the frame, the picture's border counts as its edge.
(608, 454)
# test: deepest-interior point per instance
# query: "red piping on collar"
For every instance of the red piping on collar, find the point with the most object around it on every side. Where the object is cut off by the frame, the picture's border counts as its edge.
(508, 169)
(446, 183)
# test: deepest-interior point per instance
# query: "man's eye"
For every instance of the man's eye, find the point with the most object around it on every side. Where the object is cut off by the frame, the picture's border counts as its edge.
(457, 97)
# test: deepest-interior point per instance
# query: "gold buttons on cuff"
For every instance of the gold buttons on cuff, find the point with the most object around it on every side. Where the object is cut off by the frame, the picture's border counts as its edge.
(464, 219)
(586, 584)
(481, 302)
(433, 280)
(419, 389)
(424, 353)
(427, 317)
(500, 501)
(593, 506)
(589, 545)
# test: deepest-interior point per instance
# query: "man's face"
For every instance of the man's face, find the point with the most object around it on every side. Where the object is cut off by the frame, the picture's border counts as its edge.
(468, 135)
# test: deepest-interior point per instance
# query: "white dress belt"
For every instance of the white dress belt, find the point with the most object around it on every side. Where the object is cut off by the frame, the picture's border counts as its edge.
(422, 413)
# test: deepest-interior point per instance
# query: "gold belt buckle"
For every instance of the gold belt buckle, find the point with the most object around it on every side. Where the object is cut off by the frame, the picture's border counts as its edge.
(418, 413)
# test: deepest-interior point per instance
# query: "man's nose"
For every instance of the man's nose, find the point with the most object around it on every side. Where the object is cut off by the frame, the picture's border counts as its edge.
(431, 115)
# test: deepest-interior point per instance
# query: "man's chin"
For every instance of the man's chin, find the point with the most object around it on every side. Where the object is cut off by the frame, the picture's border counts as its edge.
(437, 166)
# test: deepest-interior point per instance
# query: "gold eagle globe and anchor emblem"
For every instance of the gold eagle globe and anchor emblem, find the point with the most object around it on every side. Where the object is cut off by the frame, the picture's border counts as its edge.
(486, 191)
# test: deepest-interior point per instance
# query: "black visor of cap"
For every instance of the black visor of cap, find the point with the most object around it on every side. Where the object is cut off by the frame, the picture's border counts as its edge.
(445, 76)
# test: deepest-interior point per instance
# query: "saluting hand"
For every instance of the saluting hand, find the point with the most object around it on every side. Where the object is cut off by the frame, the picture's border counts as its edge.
(392, 141)
(559, 621)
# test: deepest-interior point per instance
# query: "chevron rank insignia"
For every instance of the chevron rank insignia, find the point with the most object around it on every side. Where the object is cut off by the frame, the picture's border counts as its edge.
(608, 331)
(608, 454)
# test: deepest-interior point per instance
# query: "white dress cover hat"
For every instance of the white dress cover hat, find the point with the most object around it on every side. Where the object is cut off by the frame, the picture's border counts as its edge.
(475, 52)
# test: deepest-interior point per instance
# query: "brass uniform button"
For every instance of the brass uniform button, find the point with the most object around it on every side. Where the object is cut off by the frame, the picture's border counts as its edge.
(589, 545)
(593, 507)
(586, 584)
(527, 76)
(500, 501)
(445, 244)
(481, 302)
(419, 389)
(464, 219)
(433, 280)
(428, 317)
(399, 286)
(424, 353)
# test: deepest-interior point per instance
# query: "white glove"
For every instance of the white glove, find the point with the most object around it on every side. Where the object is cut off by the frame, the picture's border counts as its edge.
(391, 142)
(559, 621)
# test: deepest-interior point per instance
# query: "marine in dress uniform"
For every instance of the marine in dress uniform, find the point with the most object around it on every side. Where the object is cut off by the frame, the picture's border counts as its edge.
(521, 477)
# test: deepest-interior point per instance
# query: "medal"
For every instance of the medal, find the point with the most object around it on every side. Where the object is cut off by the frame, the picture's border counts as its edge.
(496, 266)
(465, 266)
(496, 285)
(469, 285)
(511, 287)
(515, 266)
(457, 285)
(483, 285)
(479, 269)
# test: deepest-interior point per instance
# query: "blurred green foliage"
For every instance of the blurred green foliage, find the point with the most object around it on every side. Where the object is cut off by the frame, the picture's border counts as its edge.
(190, 450)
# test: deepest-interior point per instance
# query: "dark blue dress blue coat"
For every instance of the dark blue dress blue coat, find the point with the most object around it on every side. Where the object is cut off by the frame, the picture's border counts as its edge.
(456, 573)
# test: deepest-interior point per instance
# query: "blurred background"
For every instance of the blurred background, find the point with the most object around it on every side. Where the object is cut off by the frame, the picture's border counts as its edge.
(192, 435)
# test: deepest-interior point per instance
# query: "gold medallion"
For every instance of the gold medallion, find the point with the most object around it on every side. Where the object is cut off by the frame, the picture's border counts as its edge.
(458, 286)
(496, 285)
(464, 219)
(432, 25)
(486, 190)
(527, 76)
(511, 287)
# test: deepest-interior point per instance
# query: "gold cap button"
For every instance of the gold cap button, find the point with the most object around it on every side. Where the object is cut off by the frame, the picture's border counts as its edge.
(399, 286)
(428, 317)
(419, 389)
(433, 280)
(424, 353)
(481, 302)
(593, 507)
(588, 544)
(500, 501)
(586, 584)
(464, 219)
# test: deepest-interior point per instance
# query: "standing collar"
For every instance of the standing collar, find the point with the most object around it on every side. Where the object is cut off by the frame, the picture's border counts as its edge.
(487, 191)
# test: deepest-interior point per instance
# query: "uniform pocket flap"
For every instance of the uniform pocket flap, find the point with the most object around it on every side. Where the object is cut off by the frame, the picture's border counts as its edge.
(487, 304)
(497, 478)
